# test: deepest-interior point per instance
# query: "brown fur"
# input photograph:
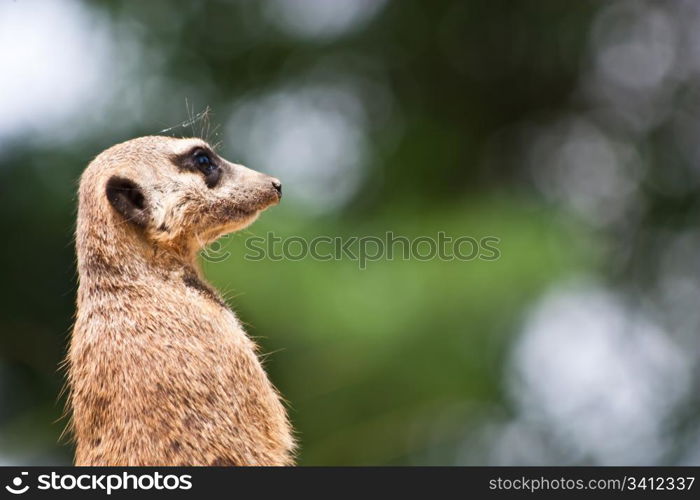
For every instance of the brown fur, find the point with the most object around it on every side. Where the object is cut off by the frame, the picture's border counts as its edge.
(160, 371)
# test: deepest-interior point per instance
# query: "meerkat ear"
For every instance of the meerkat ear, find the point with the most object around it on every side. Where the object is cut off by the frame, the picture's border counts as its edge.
(127, 198)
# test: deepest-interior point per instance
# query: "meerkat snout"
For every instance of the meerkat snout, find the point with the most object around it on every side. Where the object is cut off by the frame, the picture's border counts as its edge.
(278, 186)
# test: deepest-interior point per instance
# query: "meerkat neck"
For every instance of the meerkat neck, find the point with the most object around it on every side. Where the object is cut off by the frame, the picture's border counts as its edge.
(99, 259)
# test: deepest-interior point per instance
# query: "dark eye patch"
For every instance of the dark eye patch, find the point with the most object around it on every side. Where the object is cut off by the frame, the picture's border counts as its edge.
(202, 160)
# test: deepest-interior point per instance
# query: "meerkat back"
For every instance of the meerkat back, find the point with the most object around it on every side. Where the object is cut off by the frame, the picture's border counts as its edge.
(160, 371)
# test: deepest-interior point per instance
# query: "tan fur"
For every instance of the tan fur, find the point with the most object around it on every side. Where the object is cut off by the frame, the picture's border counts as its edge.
(160, 371)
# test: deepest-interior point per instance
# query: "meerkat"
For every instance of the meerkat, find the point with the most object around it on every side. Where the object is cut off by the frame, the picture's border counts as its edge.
(160, 370)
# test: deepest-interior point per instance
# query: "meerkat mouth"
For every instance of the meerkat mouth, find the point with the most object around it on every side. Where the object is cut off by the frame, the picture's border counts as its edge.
(251, 209)
(239, 213)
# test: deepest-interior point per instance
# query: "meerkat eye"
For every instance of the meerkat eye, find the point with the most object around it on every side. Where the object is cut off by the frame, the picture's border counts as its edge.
(204, 162)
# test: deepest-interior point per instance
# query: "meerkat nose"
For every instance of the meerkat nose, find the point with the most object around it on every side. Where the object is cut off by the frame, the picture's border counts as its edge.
(278, 186)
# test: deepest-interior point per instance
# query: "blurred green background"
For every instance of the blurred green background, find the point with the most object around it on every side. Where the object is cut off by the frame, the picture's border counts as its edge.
(568, 130)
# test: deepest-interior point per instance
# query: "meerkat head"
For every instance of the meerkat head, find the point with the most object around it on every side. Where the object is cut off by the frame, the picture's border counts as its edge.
(177, 192)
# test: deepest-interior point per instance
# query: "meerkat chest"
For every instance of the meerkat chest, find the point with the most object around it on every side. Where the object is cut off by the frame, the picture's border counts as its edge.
(159, 325)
